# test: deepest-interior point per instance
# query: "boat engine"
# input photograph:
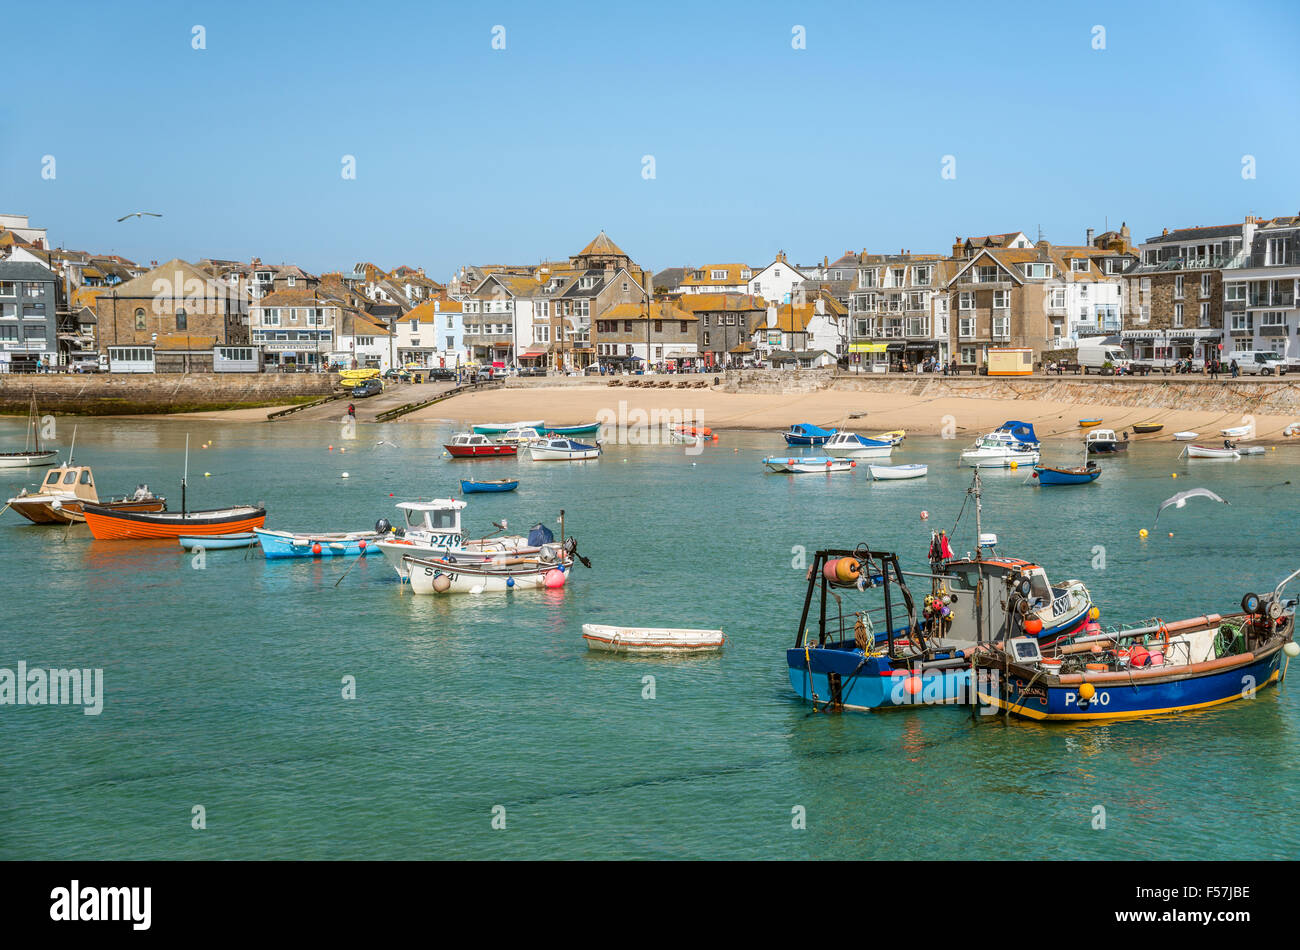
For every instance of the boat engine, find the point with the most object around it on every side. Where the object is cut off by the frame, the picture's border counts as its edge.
(383, 526)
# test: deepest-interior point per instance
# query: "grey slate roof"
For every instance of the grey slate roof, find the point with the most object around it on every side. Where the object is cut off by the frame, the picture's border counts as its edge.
(26, 270)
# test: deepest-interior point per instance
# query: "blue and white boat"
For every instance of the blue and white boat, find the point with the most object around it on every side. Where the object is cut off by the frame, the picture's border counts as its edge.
(1154, 669)
(805, 433)
(501, 484)
(278, 544)
(562, 450)
(808, 464)
(850, 445)
(1010, 444)
(873, 657)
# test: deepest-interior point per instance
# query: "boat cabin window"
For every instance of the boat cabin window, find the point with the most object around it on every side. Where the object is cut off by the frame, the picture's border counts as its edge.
(70, 478)
(85, 477)
(52, 478)
(1039, 589)
(961, 580)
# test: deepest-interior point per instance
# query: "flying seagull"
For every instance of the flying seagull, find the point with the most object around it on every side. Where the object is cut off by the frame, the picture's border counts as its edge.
(137, 214)
(1180, 500)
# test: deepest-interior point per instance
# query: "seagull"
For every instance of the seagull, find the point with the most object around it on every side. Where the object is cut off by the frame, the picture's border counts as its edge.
(1180, 500)
(137, 214)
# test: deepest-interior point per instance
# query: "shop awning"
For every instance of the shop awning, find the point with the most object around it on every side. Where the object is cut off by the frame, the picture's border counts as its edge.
(867, 348)
(531, 354)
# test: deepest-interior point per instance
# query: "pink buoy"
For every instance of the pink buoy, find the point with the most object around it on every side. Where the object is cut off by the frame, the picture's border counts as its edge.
(554, 578)
(925, 516)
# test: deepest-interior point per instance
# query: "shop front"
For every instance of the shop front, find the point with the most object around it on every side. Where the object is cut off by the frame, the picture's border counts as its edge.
(868, 358)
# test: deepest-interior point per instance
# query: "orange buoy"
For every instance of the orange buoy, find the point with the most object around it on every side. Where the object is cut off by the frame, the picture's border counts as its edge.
(842, 570)
(1033, 626)
(315, 549)
(913, 685)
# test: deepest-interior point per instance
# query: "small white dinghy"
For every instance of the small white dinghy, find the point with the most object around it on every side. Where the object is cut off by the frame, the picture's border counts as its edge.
(886, 472)
(1206, 452)
(611, 639)
(1186, 436)
(809, 464)
(1236, 432)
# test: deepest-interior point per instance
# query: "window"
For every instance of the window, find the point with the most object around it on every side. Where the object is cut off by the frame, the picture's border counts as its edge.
(182, 320)
(415, 325)
(8, 288)
(866, 278)
(1241, 321)
(34, 288)
(33, 311)
(1277, 251)
(968, 354)
(659, 326)
(1234, 292)
(1001, 328)
(1178, 315)
(1144, 314)
(542, 332)
(921, 274)
(941, 325)
(9, 333)
(1205, 315)
(718, 275)
(1205, 285)
(139, 319)
(627, 328)
(1057, 299)
(966, 300)
(745, 274)
(1178, 286)
(293, 281)
(1001, 300)
(1038, 270)
(1274, 318)
(966, 328)
(706, 339)
(986, 274)
(365, 341)
(586, 283)
(683, 326)
(1080, 265)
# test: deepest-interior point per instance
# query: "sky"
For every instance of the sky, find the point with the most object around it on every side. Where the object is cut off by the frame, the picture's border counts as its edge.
(692, 133)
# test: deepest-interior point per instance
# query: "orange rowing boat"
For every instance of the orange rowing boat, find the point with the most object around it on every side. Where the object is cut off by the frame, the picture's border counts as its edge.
(108, 524)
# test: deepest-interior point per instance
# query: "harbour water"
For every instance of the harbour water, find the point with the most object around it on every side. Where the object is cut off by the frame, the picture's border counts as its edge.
(223, 682)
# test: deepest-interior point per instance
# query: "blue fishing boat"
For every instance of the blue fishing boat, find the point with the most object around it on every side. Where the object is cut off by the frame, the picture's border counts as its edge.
(1153, 669)
(569, 431)
(278, 544)
(1066, 476)
(873, 658)
(501, 484)
(805, 433)
(216, 542)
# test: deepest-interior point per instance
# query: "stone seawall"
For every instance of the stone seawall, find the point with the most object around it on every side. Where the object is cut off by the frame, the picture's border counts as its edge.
(107, 394)
(1255, 395)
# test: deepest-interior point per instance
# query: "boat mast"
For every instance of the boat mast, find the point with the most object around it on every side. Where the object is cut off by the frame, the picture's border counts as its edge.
(979, 570)
(186, 474)
(74, 446)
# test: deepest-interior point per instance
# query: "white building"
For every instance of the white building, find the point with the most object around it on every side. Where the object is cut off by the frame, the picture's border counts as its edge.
(776, 281)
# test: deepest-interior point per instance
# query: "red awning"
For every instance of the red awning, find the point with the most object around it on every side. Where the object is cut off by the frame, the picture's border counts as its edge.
(528, 354)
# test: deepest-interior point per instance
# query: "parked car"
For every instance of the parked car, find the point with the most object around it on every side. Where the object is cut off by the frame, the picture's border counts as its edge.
(90, 364)
(435, 373)
(367, 387)
(398, 374)
(1103, 358)
(1259, 363)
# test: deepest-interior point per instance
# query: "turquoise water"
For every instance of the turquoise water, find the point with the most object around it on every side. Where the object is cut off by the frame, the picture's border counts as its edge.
(223, 685)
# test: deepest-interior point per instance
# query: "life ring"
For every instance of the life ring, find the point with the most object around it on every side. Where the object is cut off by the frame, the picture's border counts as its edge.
(1164, 632)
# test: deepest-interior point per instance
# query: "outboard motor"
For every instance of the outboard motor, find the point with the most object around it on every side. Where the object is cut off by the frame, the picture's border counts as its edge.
(383, 526)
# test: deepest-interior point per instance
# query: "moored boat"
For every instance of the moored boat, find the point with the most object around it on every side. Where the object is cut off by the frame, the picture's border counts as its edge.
(894, 437)
(66, 487)
(889, 472)
(1186, 436)
(805, 433)
(519, 436)
(433, 529)
(1010, 444)
(496, 428)
(279, 544)
(1088, 423)
(1081, 475)
(470, 445)
(32, 455)
(590, 428)
(549, 568)
(1236, 432)
(1155, 668)
(496, 485)
(850, 445)
(809, 464)
(216, 542)
(607, 638)
(562, 450)
(1209, 452)
(1105, 441)
(1145, 428)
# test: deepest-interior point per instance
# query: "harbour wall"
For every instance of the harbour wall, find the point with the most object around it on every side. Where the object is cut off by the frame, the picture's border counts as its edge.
(109, 394)
(1279, 397)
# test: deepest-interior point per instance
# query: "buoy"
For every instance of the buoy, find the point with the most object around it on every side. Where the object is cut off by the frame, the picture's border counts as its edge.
(715, 438)
(315, 549)
(1171, 534)
(207, 474)
(554, 578)
(361, 545)
(441, 583)
(331, 448)
(1014, 465)
(345, 474)
(1033, 626)
(1087, 691)
(925, 516)
(842, 570)
(1094, 613)
(913, 685)
(341, 449)
(1142, 533)
(510, 582)
(1173, 474)
(1291, 649)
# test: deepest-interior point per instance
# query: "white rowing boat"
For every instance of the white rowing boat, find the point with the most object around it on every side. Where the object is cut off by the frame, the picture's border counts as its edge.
(1206, 452)
(1186, 436)
(1236, 432)
(886, 472)
(610, 639)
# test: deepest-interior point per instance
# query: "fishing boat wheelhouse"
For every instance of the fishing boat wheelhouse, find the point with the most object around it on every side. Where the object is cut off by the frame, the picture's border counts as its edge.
(66, 488)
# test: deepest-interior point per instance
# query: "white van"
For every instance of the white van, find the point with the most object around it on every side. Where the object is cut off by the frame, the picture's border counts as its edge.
(1258, 363)
(1094, 357)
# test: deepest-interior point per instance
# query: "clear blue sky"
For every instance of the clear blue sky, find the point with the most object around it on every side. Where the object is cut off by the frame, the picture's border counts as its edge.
(466, 154)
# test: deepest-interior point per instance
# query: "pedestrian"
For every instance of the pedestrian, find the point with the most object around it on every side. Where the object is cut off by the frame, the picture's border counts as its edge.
(1234, 368)
(352, 410)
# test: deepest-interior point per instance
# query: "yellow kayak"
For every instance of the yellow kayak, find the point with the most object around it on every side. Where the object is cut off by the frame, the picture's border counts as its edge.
(896, 436)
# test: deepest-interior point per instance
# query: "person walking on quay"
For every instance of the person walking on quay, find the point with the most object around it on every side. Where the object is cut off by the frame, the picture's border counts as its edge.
(1236, 370)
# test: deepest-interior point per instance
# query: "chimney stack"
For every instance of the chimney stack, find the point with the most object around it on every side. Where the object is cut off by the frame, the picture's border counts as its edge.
(956, 246)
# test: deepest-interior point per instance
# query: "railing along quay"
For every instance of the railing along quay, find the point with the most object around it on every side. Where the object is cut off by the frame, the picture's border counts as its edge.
(389, 415)
(281, 413)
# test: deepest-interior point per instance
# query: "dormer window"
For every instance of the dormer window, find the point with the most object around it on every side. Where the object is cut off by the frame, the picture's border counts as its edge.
(1080, 265)
(586, 283)
(746, 273)
(719, 275)
(293, 281)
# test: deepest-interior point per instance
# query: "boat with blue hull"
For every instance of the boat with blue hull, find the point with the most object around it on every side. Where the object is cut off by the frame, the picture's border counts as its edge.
(869, 660)
(805, 433)
(217, 542)
(592, 428)
(279, 544)
(501, 484)
(1155, 668)
(1067, 476)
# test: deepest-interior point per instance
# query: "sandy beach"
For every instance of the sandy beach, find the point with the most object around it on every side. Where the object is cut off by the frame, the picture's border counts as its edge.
(863, 412)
